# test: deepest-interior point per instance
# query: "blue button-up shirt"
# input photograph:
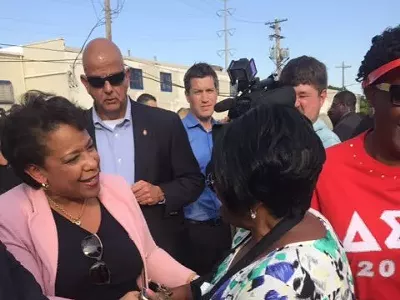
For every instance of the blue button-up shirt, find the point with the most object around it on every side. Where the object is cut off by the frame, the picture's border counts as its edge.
(207, 205)
(116, 145)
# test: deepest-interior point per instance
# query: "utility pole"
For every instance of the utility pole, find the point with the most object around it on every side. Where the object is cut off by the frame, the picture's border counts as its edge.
(343, 67)
(277, 54)
(107, 12)
(226, 32)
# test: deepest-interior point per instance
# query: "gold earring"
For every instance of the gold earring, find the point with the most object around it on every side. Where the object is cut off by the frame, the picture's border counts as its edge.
(45, 186)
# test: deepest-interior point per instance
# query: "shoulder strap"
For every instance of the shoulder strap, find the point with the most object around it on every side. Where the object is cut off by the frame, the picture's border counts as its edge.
(266, 242)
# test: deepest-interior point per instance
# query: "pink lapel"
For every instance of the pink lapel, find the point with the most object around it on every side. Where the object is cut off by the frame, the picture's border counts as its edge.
(44, 234)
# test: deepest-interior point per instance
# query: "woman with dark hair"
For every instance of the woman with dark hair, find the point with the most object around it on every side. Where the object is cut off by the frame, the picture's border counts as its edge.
(359, 188)
(79, 232)
(266, 164)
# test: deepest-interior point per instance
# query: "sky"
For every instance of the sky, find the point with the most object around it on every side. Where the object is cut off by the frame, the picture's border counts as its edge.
(185, 31)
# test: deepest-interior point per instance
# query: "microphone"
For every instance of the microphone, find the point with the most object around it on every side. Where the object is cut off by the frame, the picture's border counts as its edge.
(225, 105)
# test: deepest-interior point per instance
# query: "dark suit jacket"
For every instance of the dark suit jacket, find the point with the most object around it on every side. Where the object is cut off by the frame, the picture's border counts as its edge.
(16, 283)
(8, 179)
(345, 128)
(367, 123)
(163, 157)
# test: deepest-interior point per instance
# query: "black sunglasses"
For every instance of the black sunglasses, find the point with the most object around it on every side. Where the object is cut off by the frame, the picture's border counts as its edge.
(393, 89)
(114, 79)
(92, 247)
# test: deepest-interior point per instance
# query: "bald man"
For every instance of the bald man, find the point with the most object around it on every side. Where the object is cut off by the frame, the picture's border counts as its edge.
(147, 146)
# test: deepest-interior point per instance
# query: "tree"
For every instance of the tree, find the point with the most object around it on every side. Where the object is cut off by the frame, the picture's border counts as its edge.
(331, 87)
(365, 107)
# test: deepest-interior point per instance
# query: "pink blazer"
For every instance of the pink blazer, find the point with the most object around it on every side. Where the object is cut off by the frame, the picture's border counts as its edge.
(28, 230)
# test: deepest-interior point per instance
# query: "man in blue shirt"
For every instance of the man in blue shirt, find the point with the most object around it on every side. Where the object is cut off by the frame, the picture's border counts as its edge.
(208, 236)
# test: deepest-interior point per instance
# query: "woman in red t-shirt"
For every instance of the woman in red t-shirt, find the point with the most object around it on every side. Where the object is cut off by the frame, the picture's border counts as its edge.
(359, 187)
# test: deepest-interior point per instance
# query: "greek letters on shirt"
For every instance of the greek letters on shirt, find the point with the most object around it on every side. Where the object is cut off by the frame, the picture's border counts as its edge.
(368, 243)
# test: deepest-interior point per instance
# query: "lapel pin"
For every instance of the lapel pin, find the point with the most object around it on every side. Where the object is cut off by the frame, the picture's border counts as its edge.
(144, 132)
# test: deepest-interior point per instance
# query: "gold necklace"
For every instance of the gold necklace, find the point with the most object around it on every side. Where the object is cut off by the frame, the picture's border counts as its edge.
(76, 221)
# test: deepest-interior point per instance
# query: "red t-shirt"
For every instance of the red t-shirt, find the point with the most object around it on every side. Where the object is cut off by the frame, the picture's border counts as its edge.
(361, 198)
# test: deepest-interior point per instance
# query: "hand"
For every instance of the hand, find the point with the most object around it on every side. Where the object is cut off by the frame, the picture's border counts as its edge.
(155, 296)
(131, 296)
(183, 292)
(146, 193)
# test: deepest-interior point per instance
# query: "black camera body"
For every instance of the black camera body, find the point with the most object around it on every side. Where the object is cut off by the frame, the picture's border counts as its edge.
(250, 90)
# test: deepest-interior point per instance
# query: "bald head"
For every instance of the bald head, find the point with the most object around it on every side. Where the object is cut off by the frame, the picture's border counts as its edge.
(101, 52)
(106, 78)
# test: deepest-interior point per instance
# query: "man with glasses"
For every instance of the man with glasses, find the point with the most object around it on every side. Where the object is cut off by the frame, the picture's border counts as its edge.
(147, 146)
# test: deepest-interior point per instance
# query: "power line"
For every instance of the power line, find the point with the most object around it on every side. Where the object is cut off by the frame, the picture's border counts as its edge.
(94, 9)
(35, 47)
(247, 21)
(80, 3)
(26, 21)
(68, 61)
(73, 81)
(190, 4)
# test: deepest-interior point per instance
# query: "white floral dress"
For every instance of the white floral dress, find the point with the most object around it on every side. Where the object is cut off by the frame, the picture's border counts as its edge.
(316, 269)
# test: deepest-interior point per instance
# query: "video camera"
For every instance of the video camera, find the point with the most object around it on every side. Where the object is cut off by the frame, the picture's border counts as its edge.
(251, 91)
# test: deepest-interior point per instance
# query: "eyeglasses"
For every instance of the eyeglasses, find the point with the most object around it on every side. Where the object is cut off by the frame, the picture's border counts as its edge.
(92, 247)
(210, 181)
(114, 79)
(393, 89)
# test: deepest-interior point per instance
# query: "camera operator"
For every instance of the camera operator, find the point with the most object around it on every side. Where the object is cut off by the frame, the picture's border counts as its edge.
(208, 236)
(309, 78)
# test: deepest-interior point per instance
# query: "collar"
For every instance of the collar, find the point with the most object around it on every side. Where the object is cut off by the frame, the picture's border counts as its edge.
(191, 121)
(127, 117)
(319, 125)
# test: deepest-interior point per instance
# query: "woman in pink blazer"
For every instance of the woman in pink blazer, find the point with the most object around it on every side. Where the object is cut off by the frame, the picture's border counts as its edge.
(80, 233)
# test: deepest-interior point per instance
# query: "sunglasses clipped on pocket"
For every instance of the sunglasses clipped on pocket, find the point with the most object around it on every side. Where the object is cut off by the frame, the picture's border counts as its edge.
(114, 79)
(92, 247)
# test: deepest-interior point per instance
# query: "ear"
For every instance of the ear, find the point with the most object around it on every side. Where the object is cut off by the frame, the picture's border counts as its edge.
(128, 75)
(85, 82)
(37, 173)
(323, 96)
(187, 96)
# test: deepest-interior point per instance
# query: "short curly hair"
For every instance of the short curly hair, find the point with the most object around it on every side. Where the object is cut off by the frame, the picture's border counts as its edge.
(25, 128)
(385, 48)
(272, 155)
